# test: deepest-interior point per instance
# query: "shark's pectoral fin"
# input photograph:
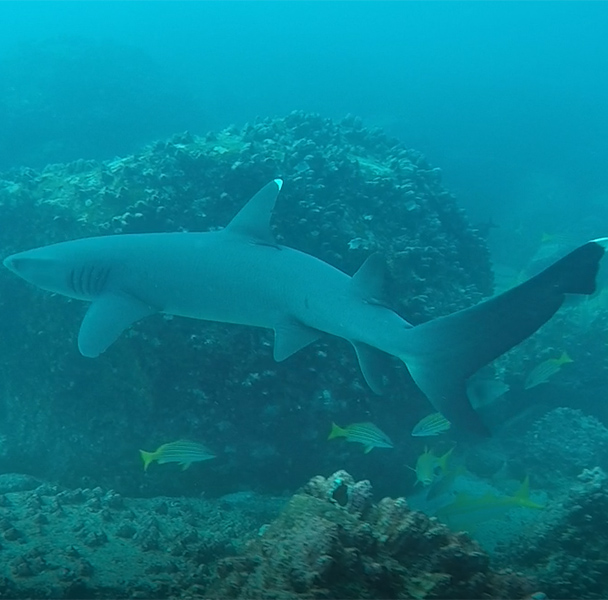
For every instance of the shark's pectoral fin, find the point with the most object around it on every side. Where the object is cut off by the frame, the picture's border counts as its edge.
(253, 220)
(107, 317)
(291, 336)
(375, 366)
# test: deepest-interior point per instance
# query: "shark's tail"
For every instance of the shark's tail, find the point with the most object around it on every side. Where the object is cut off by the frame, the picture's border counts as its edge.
(442, 354)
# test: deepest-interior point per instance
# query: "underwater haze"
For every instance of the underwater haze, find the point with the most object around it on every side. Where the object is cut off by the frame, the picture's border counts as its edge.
(346, 299)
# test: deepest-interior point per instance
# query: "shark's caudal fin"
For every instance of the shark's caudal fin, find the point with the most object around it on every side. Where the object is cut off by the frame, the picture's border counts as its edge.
(442, 354)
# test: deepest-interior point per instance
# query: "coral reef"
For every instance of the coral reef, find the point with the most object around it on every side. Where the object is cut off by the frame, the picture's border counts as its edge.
(560, 444)
(567, 551)
(331, 542)
(348, 191)
(86, 543)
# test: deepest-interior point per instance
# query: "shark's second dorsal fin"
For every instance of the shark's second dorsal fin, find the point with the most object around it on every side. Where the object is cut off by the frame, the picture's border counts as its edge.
(369, 279)
(253, 220)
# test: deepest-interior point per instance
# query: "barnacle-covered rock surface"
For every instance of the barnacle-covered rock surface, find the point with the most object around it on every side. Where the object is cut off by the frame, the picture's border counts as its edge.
(560, 444)
(328, 541)
(567, 551)
(323, 546)
(91, 543)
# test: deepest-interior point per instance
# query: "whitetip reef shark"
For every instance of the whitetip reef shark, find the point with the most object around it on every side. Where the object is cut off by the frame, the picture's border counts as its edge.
(241, 275)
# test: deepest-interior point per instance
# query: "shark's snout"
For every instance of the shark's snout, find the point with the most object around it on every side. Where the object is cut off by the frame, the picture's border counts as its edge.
(12, 263)
(33, 268)
(21, 263)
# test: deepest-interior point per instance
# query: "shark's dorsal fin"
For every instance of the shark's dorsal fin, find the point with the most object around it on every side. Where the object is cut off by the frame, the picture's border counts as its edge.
(253, 220)
(107, 317)
(369, 280)
(291, 336)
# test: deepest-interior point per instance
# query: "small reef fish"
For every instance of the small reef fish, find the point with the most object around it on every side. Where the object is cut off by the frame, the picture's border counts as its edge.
(482, 392)
(545, 370)
(445, 482)
(427, 465)
(467, 511)
(432, 424)
(507, 277)
(563, 239)
(367, 434)
(587, 311)
(182, 452)
(552, 245)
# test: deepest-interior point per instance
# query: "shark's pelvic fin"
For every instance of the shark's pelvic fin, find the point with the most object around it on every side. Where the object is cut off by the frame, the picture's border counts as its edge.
(253, 220)
(445, 352)
(107, 317)
(291, 336)
(375, 366)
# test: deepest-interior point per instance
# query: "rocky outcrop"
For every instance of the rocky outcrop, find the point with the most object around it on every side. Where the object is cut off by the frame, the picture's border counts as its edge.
(331, 542)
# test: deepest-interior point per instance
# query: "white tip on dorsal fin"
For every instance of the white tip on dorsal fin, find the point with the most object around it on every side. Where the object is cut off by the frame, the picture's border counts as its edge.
(369, 279)
(253, 220)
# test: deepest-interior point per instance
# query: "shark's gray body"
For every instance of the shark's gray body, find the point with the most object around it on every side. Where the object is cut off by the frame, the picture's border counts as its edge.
(240, 275)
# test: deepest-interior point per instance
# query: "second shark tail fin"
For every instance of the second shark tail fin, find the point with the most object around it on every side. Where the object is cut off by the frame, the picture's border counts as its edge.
(442, 354)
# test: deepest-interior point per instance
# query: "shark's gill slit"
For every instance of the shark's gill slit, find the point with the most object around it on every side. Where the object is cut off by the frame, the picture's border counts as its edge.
(101, 279)
(72, 281)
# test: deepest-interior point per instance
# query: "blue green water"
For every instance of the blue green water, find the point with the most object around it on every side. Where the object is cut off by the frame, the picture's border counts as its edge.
(472, 157)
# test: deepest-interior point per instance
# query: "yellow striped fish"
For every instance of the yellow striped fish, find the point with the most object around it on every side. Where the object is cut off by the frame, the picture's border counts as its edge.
(466, 511)
(482, 392)
(182, 452)
(432, 424)
(541, 373)
(367, 434)
(428, 466)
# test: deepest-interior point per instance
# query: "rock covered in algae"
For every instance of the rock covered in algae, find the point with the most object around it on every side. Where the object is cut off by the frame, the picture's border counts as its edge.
(330, 541)
(324, 546)
(349, 190)
(567, 552)
(92, 543)
(560, 444)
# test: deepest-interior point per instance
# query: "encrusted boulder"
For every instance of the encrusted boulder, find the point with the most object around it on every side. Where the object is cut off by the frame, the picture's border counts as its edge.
(91, 543)
(349, 191)
(567, 552)
(560, 444)
(321, 547)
